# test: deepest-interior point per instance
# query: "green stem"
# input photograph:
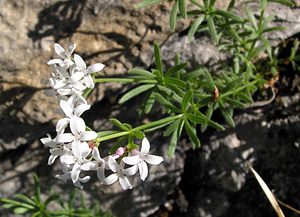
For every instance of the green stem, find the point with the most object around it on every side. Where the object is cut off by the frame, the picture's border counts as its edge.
(139, 128)
(119, 80)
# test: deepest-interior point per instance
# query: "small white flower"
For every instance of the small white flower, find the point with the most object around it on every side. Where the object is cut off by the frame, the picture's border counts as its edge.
(87, 71)
(67, 176)
(68, 107)
(98, 164)
(80, 150)
(66, 61)
(118, 174)
(140, 158)
(57, 147)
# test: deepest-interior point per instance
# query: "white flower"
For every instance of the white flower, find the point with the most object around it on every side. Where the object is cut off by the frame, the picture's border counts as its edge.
(99, 164)
(80, 150)
(67, 176)
(57, 147)
(68, 107)
(119, 173)
(66, 61)
(70, 83)
(87, 71)
(139, 160)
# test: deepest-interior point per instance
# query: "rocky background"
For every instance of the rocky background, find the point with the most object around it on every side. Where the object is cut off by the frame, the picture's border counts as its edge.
(209, 182)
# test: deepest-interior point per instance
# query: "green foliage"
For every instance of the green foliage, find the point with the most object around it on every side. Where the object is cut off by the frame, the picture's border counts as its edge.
(36, 206)
(189, 98)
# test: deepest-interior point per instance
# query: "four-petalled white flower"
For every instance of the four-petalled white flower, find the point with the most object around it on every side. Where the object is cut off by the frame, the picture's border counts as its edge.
(138, 159)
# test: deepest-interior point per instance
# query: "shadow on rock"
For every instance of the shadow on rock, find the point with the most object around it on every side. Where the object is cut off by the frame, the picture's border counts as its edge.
(59, 20)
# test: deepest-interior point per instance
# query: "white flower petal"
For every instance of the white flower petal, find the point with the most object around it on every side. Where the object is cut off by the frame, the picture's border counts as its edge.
(77, 85)
(75, 172)
(80, 109)
(110, 179)
(130, 171)
(131, 160)
(60, 84)
(95, 68)
(78, 184)
(65, 137)
(61, 125)
(54, 61)
(84, 149)
(59, 50)
(88, 135)
(84, 179)
(90, 165)
(76, 149)
(143, 169)
(67, 108)
(77, 76)
(64, 91)
(113, 165)
(67, 158)
(145, 146)
(125, 184)
(89, 82)
(70, 49)
(77, 125)
(96, 154)
(100, 172)
(48, 142)
(51, 159)
(153, 159)
(79, 62)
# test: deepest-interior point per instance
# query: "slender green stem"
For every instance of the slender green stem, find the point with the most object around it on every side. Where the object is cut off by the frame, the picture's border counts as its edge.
(119, 80)
(159, 122)
(139, 128)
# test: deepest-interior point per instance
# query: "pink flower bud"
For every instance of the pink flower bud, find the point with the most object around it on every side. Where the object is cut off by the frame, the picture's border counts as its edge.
(120, 151)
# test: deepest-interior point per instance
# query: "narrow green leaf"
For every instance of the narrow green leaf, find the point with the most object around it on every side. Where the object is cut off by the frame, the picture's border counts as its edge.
(195, 26)
(157, 56)
(134, 92)
(186, 100)
(209, 79)
(146, 3)
(231, 5)
(191, 131)
(228, 117)
(173, 16)
(142, 72)
(268, 47)
(20, 210)
(252, 18)
(149, 103)
(212, 29)
(175, 69)
(208, 115)
(169, 81)
(235, 103)
(182, 8)
(275, 28)
(37, 189)
(139, 134)
(51, 198)
(172, 127)
(118, 124)
(232, 84)
(166, 103)
(25, 199)
(229, 15)
(174, 139)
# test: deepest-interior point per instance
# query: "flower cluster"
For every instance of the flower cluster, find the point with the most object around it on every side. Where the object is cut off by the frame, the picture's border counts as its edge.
(75, 144)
